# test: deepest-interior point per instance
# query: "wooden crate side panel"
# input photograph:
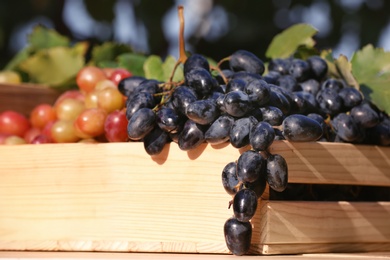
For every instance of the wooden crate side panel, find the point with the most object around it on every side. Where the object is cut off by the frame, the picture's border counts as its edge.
(324, 222)
(24, 97)
(114, 197)
(278, 249)
(336, 163)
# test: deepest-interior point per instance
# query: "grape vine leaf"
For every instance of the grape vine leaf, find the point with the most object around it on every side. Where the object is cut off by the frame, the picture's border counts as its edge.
(168, 66)
(327, 55)
(132, 62)
(156, 69)
(284, 44)
(153, 68)
(44, 38)
(108, 51)
(371, 68)
(55, 67)
(344, 68)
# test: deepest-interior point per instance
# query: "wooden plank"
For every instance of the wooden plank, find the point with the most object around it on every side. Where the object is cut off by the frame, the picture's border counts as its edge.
(114, 197)
(328, 250)
(326, 222)
(336, 163)
(23, 98)
(152, 256)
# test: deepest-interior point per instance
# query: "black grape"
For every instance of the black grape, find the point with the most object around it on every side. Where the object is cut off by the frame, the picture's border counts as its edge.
(137, 101)
(238, 236)
(351, 97)
(167, 119)
(219, 130)
(364, 115)
(288, 82)
(277, 172)
(245, 76)
(155, 141)
(149, 85)
(191, 136)
(246, 61)
(282, 66)
(200, 80)
(300, 69)
(300, 128)
(236, 103)
(319, 67)
(280, 101)
(272, 115)
(329, 101)
(235, 85)
(261, 136)
(244, 204)
(183, 96)
(249, 166)
(311, 86)
(380, 134)
(259, 185)
(127, 85)
(331, 83)
(229, 178)
(258, 92)
(271, 77)
(203, 111)
(141, 123)
(196, 61)
(239, 132)
(345, 127)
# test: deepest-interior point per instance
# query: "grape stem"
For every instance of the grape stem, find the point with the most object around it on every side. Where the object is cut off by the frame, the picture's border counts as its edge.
(182, 51)
(216, 68)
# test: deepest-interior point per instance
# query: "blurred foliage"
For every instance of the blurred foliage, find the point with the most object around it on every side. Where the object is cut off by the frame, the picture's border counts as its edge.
(251, 23)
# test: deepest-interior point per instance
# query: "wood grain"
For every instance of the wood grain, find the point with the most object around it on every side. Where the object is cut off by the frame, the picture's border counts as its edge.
(114, 197)
(23, 98)
(153, 256)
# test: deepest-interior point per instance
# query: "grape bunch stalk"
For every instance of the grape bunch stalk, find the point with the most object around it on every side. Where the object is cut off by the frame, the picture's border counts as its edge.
(294, 101)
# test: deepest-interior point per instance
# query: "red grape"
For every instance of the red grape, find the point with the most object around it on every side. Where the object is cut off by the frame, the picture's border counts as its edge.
(88, 77)
(90, 123)
(119, 74)
(110, 99)
(13, 123)
(115, 126)
(63, 131)
(41, 115)
(69, 109)
(31, 134)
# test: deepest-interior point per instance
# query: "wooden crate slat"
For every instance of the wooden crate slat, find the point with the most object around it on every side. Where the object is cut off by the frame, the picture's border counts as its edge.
(114, 197)
(306, 222)
(23, 98)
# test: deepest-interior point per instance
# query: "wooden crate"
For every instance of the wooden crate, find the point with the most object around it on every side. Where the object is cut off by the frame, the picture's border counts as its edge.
(115, 197)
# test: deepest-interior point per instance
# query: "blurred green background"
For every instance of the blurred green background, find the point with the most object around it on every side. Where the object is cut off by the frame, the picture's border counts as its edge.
(213, 28)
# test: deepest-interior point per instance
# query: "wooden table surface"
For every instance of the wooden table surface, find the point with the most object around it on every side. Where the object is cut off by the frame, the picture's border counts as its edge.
(145, 256)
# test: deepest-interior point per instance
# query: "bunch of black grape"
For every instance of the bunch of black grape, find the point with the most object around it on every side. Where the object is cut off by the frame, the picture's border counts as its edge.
(294, 101)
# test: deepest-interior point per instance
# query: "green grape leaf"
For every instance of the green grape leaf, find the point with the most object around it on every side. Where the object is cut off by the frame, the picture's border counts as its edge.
(44, 38)
(304, 52)
(22, 55)
(153, 68)
(156, 68)
(327, 55)
(371, 68)
(132, 62)
(284, 44)
(168, 66)
(55, 67)
(344, 68)
(108, 51)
